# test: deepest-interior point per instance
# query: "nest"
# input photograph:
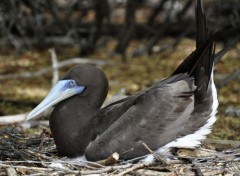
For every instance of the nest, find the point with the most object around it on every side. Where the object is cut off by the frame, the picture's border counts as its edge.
(21, 154)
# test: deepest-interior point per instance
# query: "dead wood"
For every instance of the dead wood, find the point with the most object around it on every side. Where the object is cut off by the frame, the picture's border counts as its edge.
(135, 167)
(12, 119)
(113, 159)
(62, 64)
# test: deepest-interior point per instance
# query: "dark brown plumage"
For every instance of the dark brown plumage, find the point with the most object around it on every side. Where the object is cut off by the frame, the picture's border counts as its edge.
(175, 112)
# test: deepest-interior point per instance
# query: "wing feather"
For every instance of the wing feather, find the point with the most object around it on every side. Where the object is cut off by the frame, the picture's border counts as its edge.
(152, 119)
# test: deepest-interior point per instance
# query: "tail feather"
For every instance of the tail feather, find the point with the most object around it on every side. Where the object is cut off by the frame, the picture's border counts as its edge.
(202, 33)
(202, 72)
(203, 37)
(200, 63)
(191, 62)
(203, 69)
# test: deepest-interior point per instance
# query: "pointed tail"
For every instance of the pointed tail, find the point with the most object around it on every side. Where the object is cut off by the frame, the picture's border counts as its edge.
(200, 63)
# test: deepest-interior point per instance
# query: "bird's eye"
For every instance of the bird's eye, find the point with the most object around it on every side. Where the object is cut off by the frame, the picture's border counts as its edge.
(72, 83)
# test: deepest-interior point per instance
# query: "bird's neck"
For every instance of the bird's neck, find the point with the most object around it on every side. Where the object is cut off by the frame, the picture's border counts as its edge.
(71, 125)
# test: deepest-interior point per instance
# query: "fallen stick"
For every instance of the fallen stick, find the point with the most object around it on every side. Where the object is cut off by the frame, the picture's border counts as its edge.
(60, 65)
(11, 119)
(19, 118)
(110, 160)
(135, 167)
(106, 169)
(55, 74)
(156, 156)
(26, 167)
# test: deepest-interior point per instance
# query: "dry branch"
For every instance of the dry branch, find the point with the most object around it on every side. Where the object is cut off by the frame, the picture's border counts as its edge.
(110, 160)
(55, 74)
(25, 167)
(135, 167)
(11, 119)
(156, 156)
(62, 64)
(106, 169)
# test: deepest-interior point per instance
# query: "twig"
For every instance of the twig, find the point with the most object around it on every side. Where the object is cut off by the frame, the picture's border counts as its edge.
(110, 160)
(40, 169)
(76, 163)
(39, 155)
(217, 143)
(32, 124)
(136, 166)
(18, 118)
(27, 161)
(155, 155)
(106, 169)
(11, 119)
(55, 74)
(27, 168)
(60, 65)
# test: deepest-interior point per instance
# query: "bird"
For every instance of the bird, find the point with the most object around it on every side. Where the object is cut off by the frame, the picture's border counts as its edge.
(178, 111)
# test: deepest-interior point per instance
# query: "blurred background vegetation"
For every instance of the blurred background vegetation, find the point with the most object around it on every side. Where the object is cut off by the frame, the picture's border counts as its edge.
(135, 42)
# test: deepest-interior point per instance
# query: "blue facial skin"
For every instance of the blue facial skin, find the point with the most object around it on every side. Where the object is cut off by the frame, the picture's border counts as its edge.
(61, 91)
(71, 84)
(64, 86)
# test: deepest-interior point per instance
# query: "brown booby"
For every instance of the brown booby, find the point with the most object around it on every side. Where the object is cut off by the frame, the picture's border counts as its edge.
(178, 111)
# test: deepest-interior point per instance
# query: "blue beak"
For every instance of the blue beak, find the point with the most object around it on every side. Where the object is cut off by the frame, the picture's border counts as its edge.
(61, 91)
